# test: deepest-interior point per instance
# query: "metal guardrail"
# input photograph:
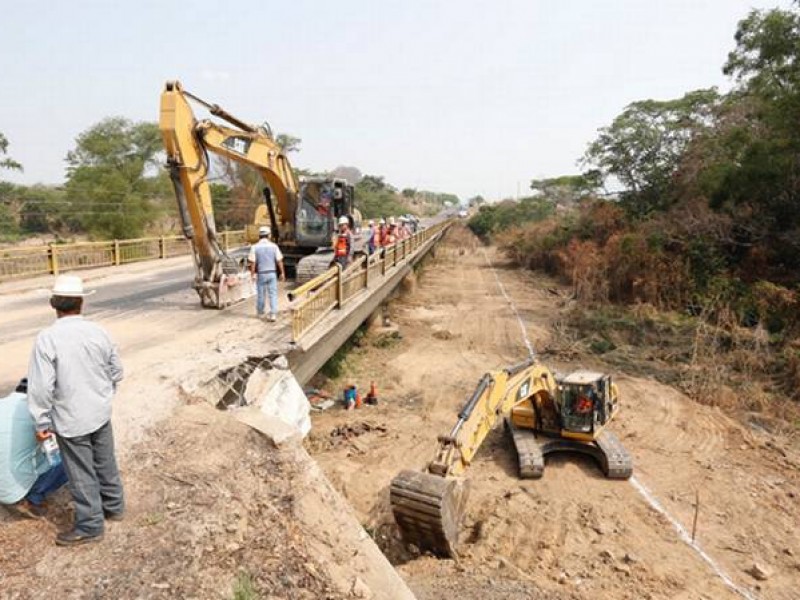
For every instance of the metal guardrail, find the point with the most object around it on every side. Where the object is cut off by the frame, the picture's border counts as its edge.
(18, 263)
(333, 289)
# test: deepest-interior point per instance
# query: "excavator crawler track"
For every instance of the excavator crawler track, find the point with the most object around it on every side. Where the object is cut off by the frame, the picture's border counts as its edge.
(529, 452)
(313, 265)
(428, 510)
(617, 463)
(607, 450)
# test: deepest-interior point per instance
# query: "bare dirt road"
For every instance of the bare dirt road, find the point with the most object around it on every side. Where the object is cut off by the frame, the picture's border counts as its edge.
(572, 533)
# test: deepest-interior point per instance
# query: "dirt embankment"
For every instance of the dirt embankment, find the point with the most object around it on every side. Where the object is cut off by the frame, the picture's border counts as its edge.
(572, 533)
(214, 511)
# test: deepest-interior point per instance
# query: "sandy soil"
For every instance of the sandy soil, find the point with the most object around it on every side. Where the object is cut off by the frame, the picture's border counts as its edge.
(194, 531)
(209, 499)
(572, 533)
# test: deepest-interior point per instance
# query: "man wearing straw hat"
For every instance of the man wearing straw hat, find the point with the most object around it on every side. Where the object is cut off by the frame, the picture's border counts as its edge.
(73, 374)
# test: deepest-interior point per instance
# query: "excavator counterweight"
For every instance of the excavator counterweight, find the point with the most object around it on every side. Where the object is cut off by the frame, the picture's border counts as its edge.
(544, 414)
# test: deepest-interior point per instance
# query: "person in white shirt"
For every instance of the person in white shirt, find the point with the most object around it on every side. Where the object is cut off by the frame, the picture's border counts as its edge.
(266, 261)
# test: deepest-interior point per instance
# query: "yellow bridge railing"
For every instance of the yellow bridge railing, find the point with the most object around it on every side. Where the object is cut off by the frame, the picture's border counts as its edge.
(18, 263)
(333, 289)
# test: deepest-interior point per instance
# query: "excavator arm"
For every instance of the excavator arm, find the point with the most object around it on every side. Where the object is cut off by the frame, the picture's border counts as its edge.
(428, 505)
(570, 412)
(497, 393)
(220, 280)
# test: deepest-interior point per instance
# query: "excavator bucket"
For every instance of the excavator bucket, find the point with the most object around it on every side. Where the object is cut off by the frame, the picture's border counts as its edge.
(230, 290)
(428, 509)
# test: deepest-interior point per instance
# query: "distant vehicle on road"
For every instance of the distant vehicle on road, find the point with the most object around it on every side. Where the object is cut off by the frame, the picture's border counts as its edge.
(463, 214)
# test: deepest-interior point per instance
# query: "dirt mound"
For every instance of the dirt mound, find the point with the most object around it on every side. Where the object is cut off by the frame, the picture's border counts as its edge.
(214, 509)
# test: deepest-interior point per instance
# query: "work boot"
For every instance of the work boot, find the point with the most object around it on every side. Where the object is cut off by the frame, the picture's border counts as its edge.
(76, 538)
(113, 516)
(28, 509)
(272, 317)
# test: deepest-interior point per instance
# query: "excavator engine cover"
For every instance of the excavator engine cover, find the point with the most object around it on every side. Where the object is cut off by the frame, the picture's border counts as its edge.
(428, 510)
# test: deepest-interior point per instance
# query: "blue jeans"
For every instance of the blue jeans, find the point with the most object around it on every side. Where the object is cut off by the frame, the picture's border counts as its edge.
(267, 283)
(46, 484)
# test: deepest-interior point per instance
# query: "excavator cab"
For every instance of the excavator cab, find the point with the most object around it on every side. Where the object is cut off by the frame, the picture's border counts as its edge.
(322, 201)
(587, 402)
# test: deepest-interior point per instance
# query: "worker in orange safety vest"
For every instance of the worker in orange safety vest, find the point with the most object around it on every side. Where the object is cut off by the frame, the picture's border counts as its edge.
(343, 244)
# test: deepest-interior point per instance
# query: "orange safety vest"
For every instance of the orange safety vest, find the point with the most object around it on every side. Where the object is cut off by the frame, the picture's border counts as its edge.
(342, 245)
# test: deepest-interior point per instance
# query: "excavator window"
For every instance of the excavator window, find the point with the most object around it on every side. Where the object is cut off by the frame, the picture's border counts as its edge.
(314, 215)
(578, 405)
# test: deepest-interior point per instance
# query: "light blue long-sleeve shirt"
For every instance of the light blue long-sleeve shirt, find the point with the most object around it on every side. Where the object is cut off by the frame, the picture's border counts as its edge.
(72, 375)
(21, 461)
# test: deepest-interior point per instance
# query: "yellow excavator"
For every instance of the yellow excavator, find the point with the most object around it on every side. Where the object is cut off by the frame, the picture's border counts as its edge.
(544, 413)
(302, 214)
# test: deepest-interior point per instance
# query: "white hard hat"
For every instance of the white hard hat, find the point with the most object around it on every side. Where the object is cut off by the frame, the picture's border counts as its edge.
(382, 222)
(263, 230)
(371, 222)
(69, 285)
(391, 220)
(344, 220)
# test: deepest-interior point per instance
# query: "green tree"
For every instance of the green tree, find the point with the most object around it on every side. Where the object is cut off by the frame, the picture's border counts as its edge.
(9, 208)
(7, 162)
(288, 143)
(113, 183)
(409, 192)
(493, 218)
(748, 165)
(569, 189)
(375, 198)
(643, 146)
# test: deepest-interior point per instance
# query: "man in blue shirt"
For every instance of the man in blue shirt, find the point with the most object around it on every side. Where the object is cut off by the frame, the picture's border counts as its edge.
(265, 262)
(26, 475)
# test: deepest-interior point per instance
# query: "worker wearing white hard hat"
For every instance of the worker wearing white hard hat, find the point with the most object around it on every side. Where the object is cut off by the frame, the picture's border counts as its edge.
(266, 262)
(343, 243)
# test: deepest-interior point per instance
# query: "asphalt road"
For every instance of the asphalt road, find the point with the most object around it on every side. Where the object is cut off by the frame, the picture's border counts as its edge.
(116, 295)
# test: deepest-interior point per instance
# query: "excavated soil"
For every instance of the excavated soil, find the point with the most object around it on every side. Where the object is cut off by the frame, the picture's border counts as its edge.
(210, 504)
(571, 534)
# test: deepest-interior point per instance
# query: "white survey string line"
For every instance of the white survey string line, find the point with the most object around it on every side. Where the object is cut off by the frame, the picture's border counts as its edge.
(687, 539)
(500, 285)
(644, 492)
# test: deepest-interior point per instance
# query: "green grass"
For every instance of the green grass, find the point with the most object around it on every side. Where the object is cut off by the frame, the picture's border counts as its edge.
(244, 588)
(335, 365)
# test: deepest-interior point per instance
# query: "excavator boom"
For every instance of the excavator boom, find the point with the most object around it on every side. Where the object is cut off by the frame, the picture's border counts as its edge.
(428, 505)
(220, 279)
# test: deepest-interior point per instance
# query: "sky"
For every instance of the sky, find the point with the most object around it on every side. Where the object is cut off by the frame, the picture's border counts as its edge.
(462, 96)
